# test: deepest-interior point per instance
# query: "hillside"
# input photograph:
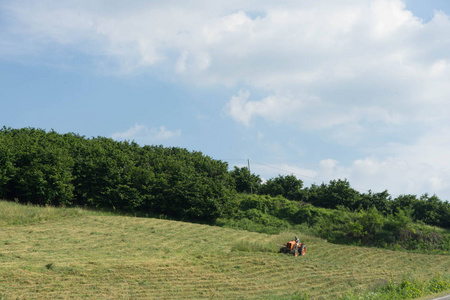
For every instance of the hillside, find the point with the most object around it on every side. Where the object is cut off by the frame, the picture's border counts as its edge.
(79, 254)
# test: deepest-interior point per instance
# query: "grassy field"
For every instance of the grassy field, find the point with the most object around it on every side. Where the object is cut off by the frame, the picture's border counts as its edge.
(72, 254)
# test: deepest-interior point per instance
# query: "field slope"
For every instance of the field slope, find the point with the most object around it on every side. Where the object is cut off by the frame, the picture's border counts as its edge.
(113, 257)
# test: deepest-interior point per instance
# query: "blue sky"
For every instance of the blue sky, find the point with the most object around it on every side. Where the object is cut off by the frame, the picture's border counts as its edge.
(320, 89)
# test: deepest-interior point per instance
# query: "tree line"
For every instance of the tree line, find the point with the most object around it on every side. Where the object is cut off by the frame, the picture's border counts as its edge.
(338, 193)
(48, 168)
(272, 215)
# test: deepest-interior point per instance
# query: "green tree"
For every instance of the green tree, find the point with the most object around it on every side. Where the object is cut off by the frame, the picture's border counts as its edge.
(336, 193)
(37, 167)
(190, 185)
(428, 209)
(382, 201)
(287, 186)
(245, 182)
(49, 168)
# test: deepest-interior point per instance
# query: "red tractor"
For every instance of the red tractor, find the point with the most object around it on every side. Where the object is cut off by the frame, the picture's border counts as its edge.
(290, 248)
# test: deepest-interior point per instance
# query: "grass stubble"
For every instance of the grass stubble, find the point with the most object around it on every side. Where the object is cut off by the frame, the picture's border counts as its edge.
(79, 254)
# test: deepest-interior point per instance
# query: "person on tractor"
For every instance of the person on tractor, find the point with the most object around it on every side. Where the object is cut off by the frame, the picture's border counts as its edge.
(297, 241)
(293, 247)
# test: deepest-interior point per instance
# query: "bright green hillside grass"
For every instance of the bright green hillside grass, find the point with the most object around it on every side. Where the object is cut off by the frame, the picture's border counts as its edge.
(16, 214)
(81, 255)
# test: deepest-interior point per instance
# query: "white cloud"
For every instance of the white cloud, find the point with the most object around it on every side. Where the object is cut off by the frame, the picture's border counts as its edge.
(143, 134)
(422, 167)
(398, 176)
(130, 133)
(274, 108)
(181, 63)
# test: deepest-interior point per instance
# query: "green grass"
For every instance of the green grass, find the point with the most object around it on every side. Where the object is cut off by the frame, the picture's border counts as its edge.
(16, 214)
(12, 213)
(75, 254)
(405, 289)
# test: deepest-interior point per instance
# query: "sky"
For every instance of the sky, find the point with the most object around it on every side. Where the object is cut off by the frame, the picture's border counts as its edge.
(323, 89)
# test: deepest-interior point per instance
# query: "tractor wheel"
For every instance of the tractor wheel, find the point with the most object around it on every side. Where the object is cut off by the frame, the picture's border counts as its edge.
(302, 250)
(283, 250)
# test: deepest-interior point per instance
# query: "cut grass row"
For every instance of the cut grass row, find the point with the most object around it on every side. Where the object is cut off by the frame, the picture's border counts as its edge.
(86, 255)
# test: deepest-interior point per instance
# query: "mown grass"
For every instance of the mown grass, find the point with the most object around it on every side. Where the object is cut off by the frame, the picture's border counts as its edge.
(83, 255)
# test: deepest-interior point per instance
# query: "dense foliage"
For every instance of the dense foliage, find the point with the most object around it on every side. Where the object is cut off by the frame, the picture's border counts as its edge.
(407, 288)
(49, 168)
(263, 213)
(428, 209)
(245, 182)
(287, 186)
